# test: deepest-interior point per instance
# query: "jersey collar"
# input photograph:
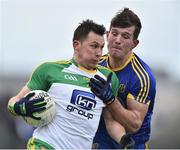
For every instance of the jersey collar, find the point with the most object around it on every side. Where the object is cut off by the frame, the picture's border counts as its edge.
(120, 67)
(82, 68)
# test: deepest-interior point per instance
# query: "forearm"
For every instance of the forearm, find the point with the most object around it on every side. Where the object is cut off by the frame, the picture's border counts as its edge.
(114, 128)
(131, 120)
(117, 131)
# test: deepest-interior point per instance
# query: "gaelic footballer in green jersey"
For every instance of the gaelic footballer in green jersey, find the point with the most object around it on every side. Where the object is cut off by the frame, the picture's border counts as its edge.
(78, 109)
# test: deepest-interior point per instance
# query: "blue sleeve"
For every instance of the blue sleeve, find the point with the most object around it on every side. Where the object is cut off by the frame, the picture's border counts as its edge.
(143, 88)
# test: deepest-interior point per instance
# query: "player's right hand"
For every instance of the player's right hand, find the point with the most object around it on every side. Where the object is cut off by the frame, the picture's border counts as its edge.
(127, 142)
(26, 107)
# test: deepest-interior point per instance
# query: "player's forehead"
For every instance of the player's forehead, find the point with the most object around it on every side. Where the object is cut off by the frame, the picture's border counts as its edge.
(95, 38)
(129, 30)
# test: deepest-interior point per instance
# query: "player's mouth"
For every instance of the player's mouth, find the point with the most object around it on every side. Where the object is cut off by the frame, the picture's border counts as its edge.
(115, 48)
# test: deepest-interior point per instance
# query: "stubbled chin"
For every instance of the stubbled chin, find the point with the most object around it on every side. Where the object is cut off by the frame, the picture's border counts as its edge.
(92, 67)
(115, 52)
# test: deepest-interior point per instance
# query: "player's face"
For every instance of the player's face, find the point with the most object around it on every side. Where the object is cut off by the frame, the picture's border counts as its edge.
(89, 51)
(120, 42)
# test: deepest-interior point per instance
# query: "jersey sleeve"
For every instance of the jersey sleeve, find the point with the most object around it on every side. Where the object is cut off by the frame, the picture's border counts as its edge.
(39, 78)
(143, 89)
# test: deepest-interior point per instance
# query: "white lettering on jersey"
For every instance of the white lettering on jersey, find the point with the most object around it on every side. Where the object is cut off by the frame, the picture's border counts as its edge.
(70, 77)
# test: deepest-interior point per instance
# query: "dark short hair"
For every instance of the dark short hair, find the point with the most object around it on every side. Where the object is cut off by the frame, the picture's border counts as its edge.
(127, 18)
(85, 27)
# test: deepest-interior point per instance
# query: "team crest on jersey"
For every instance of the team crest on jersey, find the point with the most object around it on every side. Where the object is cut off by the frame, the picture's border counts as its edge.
(122, 88)
(95, 146)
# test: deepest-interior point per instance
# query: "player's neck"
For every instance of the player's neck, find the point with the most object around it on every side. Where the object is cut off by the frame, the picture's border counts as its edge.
(119, 62)
(83, 66)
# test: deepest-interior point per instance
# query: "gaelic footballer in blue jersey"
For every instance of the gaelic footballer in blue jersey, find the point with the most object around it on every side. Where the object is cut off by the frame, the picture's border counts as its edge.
(133, 108)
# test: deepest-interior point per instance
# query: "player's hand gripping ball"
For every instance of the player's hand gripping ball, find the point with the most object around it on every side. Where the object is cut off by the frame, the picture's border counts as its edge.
(46, 115)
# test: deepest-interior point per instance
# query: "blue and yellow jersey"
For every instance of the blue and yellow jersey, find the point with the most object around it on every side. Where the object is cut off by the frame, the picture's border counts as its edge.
(136, 82)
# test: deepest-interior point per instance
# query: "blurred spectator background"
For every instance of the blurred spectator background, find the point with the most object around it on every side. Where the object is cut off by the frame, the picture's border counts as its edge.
(32, 32)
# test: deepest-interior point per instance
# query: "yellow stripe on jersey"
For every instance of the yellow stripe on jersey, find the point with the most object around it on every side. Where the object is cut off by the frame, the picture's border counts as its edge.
(148, 102)
(106, 57)
(139, 79)
(86, 70)
(63, 61)
(130, 96)
(30, 144)
(35, 144)
(146, 146)
(148, 80)
(103, 58)
(144, 80)
(144, 84)
(124, 65)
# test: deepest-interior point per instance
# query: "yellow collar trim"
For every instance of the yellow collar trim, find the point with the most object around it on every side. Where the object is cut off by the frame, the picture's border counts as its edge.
(121, 67)
(86, 70)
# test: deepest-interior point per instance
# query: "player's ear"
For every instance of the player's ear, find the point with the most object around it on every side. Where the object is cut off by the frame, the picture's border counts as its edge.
(76, 44)
(135, 43)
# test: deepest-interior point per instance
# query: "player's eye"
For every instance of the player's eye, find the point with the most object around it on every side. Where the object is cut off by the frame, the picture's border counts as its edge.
(126, 36)
(114, 33)
(94, 46)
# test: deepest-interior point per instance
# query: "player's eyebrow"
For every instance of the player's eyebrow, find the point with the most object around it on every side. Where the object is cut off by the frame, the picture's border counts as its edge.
(127, 33)
(115, 30)
(95, 42)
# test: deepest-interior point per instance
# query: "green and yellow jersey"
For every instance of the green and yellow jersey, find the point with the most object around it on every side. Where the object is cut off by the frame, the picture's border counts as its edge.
(78, 109)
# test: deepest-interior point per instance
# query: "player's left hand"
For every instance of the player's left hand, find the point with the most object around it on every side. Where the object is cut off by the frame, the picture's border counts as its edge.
(102, 88)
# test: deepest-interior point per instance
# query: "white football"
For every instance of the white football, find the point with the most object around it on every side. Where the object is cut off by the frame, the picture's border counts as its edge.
(46, 115)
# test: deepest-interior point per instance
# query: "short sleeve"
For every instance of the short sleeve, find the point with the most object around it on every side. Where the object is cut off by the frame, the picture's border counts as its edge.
(143, 89)
(39, 78)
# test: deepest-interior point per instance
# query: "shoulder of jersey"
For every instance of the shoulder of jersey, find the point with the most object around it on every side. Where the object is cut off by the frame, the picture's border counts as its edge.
(63, 62)
(104, 68)
(50, 63)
